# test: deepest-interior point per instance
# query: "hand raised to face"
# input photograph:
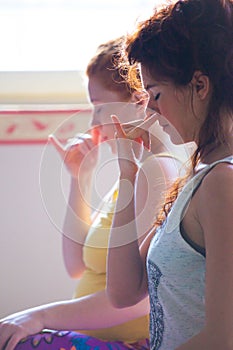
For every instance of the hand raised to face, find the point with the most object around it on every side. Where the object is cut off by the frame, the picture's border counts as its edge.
(81, 150)
(131, 140)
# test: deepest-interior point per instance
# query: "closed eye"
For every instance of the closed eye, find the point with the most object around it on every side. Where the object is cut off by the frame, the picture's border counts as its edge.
(97, 109)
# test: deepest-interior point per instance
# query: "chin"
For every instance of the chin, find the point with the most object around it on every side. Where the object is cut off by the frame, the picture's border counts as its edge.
(176, 140)
(174, 135)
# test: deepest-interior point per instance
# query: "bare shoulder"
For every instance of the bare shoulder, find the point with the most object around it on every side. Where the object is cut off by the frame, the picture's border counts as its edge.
(214, 205)
(216, 190)
(220, 177)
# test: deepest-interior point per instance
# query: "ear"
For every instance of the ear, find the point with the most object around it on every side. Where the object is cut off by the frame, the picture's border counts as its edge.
(201, 84)
(140, 97)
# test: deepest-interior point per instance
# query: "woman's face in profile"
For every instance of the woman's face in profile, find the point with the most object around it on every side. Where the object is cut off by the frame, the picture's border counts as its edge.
(106, 103)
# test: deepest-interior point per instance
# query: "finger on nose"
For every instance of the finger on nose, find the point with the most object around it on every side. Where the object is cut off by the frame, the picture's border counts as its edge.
(118, 127)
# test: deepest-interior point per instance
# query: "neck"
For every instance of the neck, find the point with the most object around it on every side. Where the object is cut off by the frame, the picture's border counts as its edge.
(223, 148)
(216, 152)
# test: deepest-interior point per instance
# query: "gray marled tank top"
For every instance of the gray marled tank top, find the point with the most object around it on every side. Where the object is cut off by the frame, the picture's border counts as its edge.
(176, 274)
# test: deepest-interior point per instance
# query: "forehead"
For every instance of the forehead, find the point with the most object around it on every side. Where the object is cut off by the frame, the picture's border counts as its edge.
(147, 80)
(150, 82)
(99, 93)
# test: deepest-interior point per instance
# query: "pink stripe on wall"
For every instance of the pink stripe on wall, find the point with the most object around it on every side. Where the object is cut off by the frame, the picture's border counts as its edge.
(33, 127)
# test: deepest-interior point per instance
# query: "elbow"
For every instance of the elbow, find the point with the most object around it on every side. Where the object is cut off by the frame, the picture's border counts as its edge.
(120, 300)
(118, 303)
(74, 272)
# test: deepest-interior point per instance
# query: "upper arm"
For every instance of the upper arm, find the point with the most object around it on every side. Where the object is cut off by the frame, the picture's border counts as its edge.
(73, 251)
(215, 212)
(73, 257)
(153, 180)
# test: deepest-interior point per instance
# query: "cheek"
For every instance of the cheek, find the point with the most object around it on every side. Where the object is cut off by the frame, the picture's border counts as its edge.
(170, 109)
(108, 130)
(165, 110)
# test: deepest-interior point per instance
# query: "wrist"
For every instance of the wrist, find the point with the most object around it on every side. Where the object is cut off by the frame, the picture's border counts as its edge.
(80, 184)
(38, 315)
(131, 177)
(126, 192)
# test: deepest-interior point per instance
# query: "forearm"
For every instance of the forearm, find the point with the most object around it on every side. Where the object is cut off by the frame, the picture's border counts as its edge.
(125, 274)
(78, 213)
(93, 311)
(76, 225)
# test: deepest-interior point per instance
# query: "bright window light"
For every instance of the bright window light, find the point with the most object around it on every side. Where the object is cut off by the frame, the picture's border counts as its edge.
(48, 35)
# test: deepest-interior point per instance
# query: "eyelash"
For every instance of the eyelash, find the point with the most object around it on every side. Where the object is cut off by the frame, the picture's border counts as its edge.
(157, 96)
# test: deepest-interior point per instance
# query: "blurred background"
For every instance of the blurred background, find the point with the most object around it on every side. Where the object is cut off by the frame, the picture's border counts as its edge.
(61, 34)
(45, 47)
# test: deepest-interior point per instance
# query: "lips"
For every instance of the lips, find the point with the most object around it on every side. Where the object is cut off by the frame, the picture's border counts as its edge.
(150, 112)
(163, 122)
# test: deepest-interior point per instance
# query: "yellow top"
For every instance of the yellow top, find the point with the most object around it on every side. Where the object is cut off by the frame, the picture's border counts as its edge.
(94, 277)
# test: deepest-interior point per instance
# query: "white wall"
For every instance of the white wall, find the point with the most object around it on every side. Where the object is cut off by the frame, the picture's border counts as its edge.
(31, 266)
(42, 87)
(33, 192)
(34, 186)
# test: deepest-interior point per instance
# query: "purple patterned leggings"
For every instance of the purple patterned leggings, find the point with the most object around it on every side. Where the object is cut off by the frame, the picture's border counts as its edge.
(66, 340)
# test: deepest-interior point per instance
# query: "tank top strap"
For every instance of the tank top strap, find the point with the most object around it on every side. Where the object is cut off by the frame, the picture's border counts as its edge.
(175, 215)
(200, 175)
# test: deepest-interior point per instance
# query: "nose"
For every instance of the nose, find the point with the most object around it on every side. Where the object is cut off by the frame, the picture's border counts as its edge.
(96, 115)
(95, 123)
(95, 120)
(152, 104)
